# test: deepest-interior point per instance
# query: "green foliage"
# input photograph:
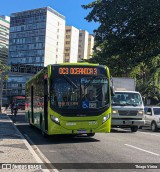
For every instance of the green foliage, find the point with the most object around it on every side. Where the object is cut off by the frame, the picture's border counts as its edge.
(128, 40)
(129, 30)
(3, 68)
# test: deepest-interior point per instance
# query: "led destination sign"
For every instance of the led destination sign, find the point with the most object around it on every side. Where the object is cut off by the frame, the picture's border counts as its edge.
(77, 71)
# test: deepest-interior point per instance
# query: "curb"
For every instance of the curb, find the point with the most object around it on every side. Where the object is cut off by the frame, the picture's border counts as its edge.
(28, 146)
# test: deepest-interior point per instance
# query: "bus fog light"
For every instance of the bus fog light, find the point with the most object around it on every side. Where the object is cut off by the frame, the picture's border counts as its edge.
(55, 119)
(105, 118)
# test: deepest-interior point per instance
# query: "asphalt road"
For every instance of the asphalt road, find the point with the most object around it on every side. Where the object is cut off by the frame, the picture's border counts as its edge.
(119, 146)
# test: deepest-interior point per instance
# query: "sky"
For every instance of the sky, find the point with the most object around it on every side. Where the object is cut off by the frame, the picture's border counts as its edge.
(71, 9)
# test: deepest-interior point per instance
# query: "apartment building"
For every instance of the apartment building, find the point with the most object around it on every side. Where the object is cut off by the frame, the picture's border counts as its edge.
(36, 40)
(83, 45)
(90, 46)
(71, 41)
(4, 38)
(36, 37)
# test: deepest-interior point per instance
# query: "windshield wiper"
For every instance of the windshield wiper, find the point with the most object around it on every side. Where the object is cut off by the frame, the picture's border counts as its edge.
(70, 81)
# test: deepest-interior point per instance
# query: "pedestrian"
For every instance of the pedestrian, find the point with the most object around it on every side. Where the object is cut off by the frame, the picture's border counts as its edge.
(15, 109)
(12, 105)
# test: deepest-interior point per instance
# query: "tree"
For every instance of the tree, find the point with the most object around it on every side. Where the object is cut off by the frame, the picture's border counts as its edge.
(148, 79)
(3, 69)
(128, 34)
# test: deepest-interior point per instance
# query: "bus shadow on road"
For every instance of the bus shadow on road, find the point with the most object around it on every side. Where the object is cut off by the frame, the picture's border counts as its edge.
(61, 139)
(35, 135)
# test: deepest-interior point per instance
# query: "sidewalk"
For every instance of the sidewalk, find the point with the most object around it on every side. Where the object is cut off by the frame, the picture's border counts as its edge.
(14, 148)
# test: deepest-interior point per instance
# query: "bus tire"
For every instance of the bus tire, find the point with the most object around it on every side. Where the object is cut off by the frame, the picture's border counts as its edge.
(42, 132)
(134, 128)
(31, 126)
(90, 134)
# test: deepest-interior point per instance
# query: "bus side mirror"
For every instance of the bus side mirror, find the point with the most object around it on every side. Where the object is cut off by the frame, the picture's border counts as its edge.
(112, 91)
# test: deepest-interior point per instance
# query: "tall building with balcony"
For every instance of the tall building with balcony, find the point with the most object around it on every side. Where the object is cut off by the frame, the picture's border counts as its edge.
(36, 37)
(83, 45)
(90, 46)
(71, 44)
(36, 40)
(4, 39)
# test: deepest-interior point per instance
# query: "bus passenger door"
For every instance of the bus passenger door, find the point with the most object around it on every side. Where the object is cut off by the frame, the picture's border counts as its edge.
(46, 103)
(32, 104)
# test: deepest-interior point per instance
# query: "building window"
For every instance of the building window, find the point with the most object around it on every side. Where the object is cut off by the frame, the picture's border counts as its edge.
(68, 36)
(68, 30)
(67, 49)
(66, 54)
(66, 60)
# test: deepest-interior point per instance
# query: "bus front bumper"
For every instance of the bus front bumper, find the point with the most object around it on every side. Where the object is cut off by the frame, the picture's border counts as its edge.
(58, 129)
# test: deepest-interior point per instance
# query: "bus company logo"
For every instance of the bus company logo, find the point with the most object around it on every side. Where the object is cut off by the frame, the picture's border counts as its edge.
(70, 124)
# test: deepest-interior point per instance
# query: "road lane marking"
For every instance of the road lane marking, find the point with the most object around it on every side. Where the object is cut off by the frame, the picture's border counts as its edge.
(149, 133)
(52, 168)
(142, 149)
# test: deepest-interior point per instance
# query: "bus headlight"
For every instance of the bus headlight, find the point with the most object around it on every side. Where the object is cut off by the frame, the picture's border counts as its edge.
(55, 119)
(105, 118)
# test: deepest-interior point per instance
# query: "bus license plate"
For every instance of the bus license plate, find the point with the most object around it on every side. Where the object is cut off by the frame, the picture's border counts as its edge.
(81, 131)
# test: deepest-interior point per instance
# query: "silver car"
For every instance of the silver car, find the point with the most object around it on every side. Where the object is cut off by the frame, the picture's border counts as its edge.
(152, 117)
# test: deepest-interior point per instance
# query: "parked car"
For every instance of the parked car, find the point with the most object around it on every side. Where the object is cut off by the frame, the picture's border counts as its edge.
(152, 117)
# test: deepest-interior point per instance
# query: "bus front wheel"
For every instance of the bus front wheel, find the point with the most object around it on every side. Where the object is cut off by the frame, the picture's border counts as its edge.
(90, 134)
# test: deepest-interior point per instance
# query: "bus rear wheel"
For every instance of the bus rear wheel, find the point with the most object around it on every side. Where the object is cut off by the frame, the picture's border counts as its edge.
(31, 126)
(90, 134)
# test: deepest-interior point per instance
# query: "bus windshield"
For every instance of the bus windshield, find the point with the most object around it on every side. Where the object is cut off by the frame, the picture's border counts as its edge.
(79, 92)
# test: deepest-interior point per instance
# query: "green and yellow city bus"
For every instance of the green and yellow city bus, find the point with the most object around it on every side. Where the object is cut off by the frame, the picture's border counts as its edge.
(57, 99)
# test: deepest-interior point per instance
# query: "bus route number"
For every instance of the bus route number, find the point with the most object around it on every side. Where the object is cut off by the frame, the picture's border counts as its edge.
(77, 71)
